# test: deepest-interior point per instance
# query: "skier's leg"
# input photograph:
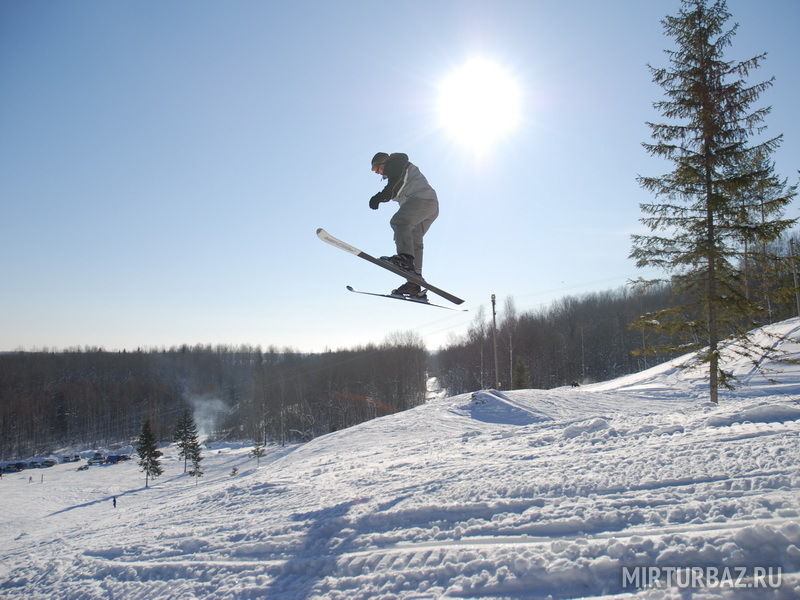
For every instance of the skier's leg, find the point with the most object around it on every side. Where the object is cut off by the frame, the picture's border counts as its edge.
(419, 232)
(410, 223)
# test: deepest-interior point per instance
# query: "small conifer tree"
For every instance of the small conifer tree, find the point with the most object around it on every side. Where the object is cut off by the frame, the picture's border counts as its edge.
(148, 453)
(185, 437)
(521, 379)
(195, 455)
(258, 452)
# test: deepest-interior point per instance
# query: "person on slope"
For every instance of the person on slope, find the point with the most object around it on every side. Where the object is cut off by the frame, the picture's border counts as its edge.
(419, 207)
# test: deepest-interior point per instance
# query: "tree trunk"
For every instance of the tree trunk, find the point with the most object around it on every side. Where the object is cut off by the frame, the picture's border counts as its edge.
(711, 254)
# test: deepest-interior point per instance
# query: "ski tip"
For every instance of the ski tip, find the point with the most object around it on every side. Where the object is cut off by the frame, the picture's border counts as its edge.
(350, 288)
(320, 230)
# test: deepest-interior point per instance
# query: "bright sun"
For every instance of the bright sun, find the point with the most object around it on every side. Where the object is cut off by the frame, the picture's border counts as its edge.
(479, 104)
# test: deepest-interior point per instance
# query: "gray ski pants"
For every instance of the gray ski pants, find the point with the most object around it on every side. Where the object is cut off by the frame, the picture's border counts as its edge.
(410, 224)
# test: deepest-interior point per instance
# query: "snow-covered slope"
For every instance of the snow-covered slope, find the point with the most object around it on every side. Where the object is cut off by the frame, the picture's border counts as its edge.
(525, 494)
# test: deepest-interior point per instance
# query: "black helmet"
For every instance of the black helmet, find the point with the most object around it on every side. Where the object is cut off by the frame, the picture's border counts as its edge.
(379, 159)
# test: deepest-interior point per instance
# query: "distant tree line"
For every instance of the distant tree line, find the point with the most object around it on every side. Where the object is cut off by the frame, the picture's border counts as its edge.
(50, 400)
(574, 340)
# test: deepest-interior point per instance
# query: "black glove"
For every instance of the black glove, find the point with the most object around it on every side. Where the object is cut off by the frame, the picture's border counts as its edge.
(376, 200)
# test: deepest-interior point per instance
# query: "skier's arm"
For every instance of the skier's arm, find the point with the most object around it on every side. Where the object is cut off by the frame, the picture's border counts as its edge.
(381, 196)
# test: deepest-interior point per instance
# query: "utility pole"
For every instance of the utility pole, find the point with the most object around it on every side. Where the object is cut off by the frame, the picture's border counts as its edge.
(494, 341)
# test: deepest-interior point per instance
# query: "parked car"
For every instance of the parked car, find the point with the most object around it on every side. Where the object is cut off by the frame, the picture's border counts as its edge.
(115, 458)
(97, 459)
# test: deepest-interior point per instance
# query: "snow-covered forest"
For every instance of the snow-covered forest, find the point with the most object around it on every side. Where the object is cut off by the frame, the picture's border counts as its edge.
(52, 399)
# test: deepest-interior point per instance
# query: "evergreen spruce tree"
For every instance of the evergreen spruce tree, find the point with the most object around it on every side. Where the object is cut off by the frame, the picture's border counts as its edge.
(703, 208)
(179, 435)
(258, 452)
(521, 379)
(148, 453)
(195, 455)
(185, 437)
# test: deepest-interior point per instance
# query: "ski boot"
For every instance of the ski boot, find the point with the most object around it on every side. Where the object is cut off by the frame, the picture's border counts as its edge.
(411, 290)
(404, 261)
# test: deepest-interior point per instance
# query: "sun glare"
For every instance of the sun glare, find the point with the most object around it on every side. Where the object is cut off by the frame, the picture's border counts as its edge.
(479, 104)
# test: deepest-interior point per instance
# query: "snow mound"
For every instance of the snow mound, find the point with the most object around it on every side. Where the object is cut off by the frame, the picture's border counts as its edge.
(764, 412)
(491, 406)
(585, 427)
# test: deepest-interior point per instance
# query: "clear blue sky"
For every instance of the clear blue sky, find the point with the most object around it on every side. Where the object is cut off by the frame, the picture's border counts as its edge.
(164, 165)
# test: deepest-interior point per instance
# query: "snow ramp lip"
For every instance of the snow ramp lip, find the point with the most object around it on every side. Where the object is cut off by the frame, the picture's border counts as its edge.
(491, 406)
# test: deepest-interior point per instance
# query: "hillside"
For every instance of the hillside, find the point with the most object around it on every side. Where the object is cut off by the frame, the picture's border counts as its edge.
(524, 494)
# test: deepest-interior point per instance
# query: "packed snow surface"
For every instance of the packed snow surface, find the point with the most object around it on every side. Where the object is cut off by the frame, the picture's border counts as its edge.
(523, 494)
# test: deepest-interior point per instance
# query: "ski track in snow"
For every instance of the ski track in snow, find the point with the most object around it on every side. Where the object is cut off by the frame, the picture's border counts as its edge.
(523, 494)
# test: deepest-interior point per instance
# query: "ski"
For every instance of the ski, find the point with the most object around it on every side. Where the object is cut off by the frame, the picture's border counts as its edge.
(405, 298)
(328, 238)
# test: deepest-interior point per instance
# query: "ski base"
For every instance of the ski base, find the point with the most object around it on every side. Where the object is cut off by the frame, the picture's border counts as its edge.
(405, 298)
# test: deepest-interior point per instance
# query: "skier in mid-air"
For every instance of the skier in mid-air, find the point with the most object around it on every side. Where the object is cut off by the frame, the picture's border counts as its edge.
(419, 207)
